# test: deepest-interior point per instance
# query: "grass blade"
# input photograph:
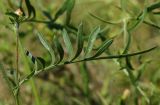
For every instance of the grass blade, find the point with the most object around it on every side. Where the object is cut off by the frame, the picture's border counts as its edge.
(85, 77)
(103, 47)
(47, 46)
(48, 15)
(79, 41)
(91, 40)
(68, 44)
(123, 4)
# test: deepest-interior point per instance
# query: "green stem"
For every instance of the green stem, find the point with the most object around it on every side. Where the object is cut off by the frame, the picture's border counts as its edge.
(27, 68)
(16, 93)
(17, 52)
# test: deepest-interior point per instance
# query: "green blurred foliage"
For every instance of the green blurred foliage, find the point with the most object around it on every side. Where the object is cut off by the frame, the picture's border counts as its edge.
(107, 84)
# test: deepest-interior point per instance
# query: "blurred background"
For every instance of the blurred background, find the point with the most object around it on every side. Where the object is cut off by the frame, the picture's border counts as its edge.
(108, 83)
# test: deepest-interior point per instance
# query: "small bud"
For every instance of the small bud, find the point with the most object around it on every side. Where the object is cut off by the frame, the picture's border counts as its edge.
(126, 93)
(19, 12)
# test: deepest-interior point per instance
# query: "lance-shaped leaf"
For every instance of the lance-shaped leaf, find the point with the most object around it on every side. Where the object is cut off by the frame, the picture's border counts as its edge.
(61, 10)
(48, 15)
(59, 49)
(91, 40)
(70, 7)
(30, 9)
(153, 6)
(138, 21)
(68, 44)
(103, 47)
(47, 46)
(41, 63)
(79, 41)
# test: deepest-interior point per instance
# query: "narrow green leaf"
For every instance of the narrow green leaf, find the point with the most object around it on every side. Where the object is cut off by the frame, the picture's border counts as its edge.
(48, 15)
(61, 10)
(41, 62)
(68, 44)
(59, 49)
(91, 40)
(138, 21)
(44, 41)
(12, 20)
(79, 41)
(30, 8)
(85, 78)
(103, 47)
(153, 6)
(156, 13)
(47, 46)
(102, 20)
(70, 7)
